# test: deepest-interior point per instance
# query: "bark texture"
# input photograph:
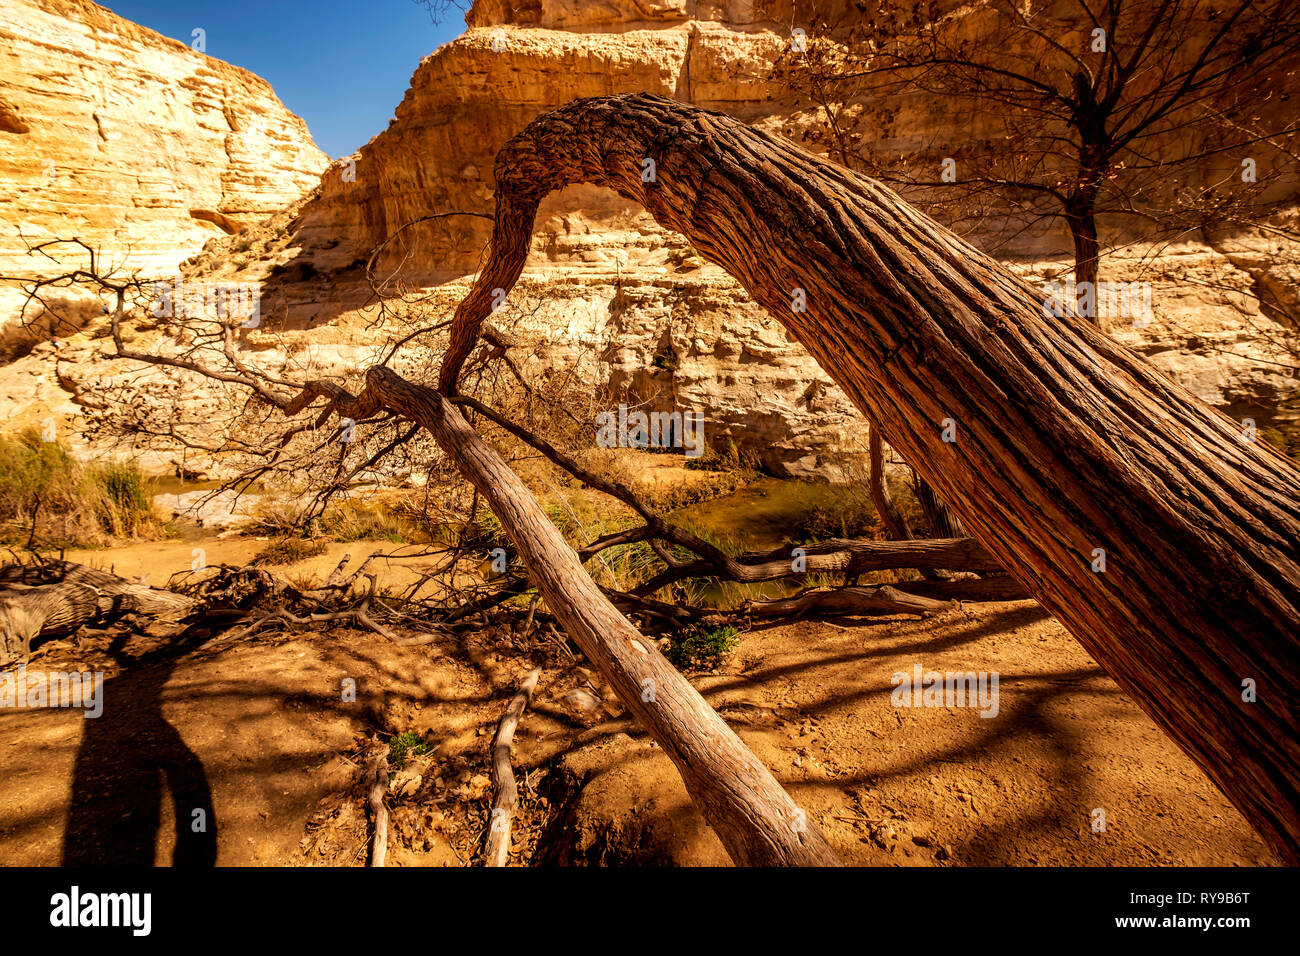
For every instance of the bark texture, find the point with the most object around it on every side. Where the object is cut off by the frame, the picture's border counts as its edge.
(377, 776)
(895, 524)
(497, 851)
(57, 598)
(1057, 447)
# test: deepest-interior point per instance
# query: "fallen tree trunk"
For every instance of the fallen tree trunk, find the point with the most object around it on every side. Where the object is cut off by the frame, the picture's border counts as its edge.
(47, 610)
(1167, 544)
(56, 598)
(854, 556)
(851, 600)
(838, 556)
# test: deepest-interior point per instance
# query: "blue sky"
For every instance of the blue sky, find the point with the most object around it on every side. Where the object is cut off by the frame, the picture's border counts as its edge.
(342, 65)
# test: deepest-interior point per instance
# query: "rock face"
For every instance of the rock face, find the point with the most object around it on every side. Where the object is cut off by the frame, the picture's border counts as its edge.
(520, 59)
(1222, 327)
(133, 142)
(609, 292)
(467, 99)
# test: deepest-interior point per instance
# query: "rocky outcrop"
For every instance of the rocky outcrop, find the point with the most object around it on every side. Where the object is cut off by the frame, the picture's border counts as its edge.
(671, 330)
(520, 58)
(633, 309)
(133, 142)
(467, 99)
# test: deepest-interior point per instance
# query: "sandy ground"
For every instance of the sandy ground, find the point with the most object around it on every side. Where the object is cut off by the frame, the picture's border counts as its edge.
(254, 738)
(155, 562)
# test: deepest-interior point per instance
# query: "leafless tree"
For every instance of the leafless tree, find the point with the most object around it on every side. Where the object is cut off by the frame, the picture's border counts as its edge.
(1150, 113)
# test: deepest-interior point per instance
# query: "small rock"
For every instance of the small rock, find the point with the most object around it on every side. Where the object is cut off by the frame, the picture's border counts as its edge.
(582, 699)
(406, 783)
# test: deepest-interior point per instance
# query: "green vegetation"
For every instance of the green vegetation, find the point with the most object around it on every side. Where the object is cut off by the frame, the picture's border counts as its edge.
(482, 534)
(702, 648)
(390, 519)
(352, 521)
(121, 501)
(404, 746)
(1284, 439)
(71, 505)
(849, 514)
(288, 551)
(728, 458)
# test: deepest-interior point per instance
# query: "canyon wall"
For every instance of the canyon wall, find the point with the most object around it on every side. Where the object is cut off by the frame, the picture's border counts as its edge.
(1223, 311)
(132, 142)
(634, 307)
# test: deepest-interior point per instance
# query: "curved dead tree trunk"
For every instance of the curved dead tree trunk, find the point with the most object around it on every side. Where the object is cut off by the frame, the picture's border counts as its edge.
(1138, 515)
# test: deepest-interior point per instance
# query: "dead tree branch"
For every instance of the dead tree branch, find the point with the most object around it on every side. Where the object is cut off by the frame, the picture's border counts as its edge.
(503, 777)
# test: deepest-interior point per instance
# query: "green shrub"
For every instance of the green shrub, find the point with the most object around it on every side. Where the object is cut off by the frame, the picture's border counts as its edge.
(702, 649)
(118, 494)
(288, 551)
(30, 469)
(482, 534)
(350, 521)
(71, 505)
(404, 746)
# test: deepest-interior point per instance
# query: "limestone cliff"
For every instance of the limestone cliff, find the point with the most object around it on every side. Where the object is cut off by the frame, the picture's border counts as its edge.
(132, 141)
(610, 292)
(1223, 311)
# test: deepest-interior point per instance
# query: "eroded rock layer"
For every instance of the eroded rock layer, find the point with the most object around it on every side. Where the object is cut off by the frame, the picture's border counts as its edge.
(608, 292)
(133, 142)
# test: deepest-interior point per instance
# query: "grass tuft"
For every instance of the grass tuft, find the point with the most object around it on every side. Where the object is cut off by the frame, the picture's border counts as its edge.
(288, 551)
(404, 746)
(71, 505)
(702, 648)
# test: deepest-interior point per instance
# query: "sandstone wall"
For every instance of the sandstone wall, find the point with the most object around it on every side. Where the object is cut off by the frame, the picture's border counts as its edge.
(132, 141)
(632, 307)
(1223, 311)
(520, 58)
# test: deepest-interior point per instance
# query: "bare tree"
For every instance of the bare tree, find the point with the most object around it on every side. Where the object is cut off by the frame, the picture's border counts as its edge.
(439, 10)
(1148, 112)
